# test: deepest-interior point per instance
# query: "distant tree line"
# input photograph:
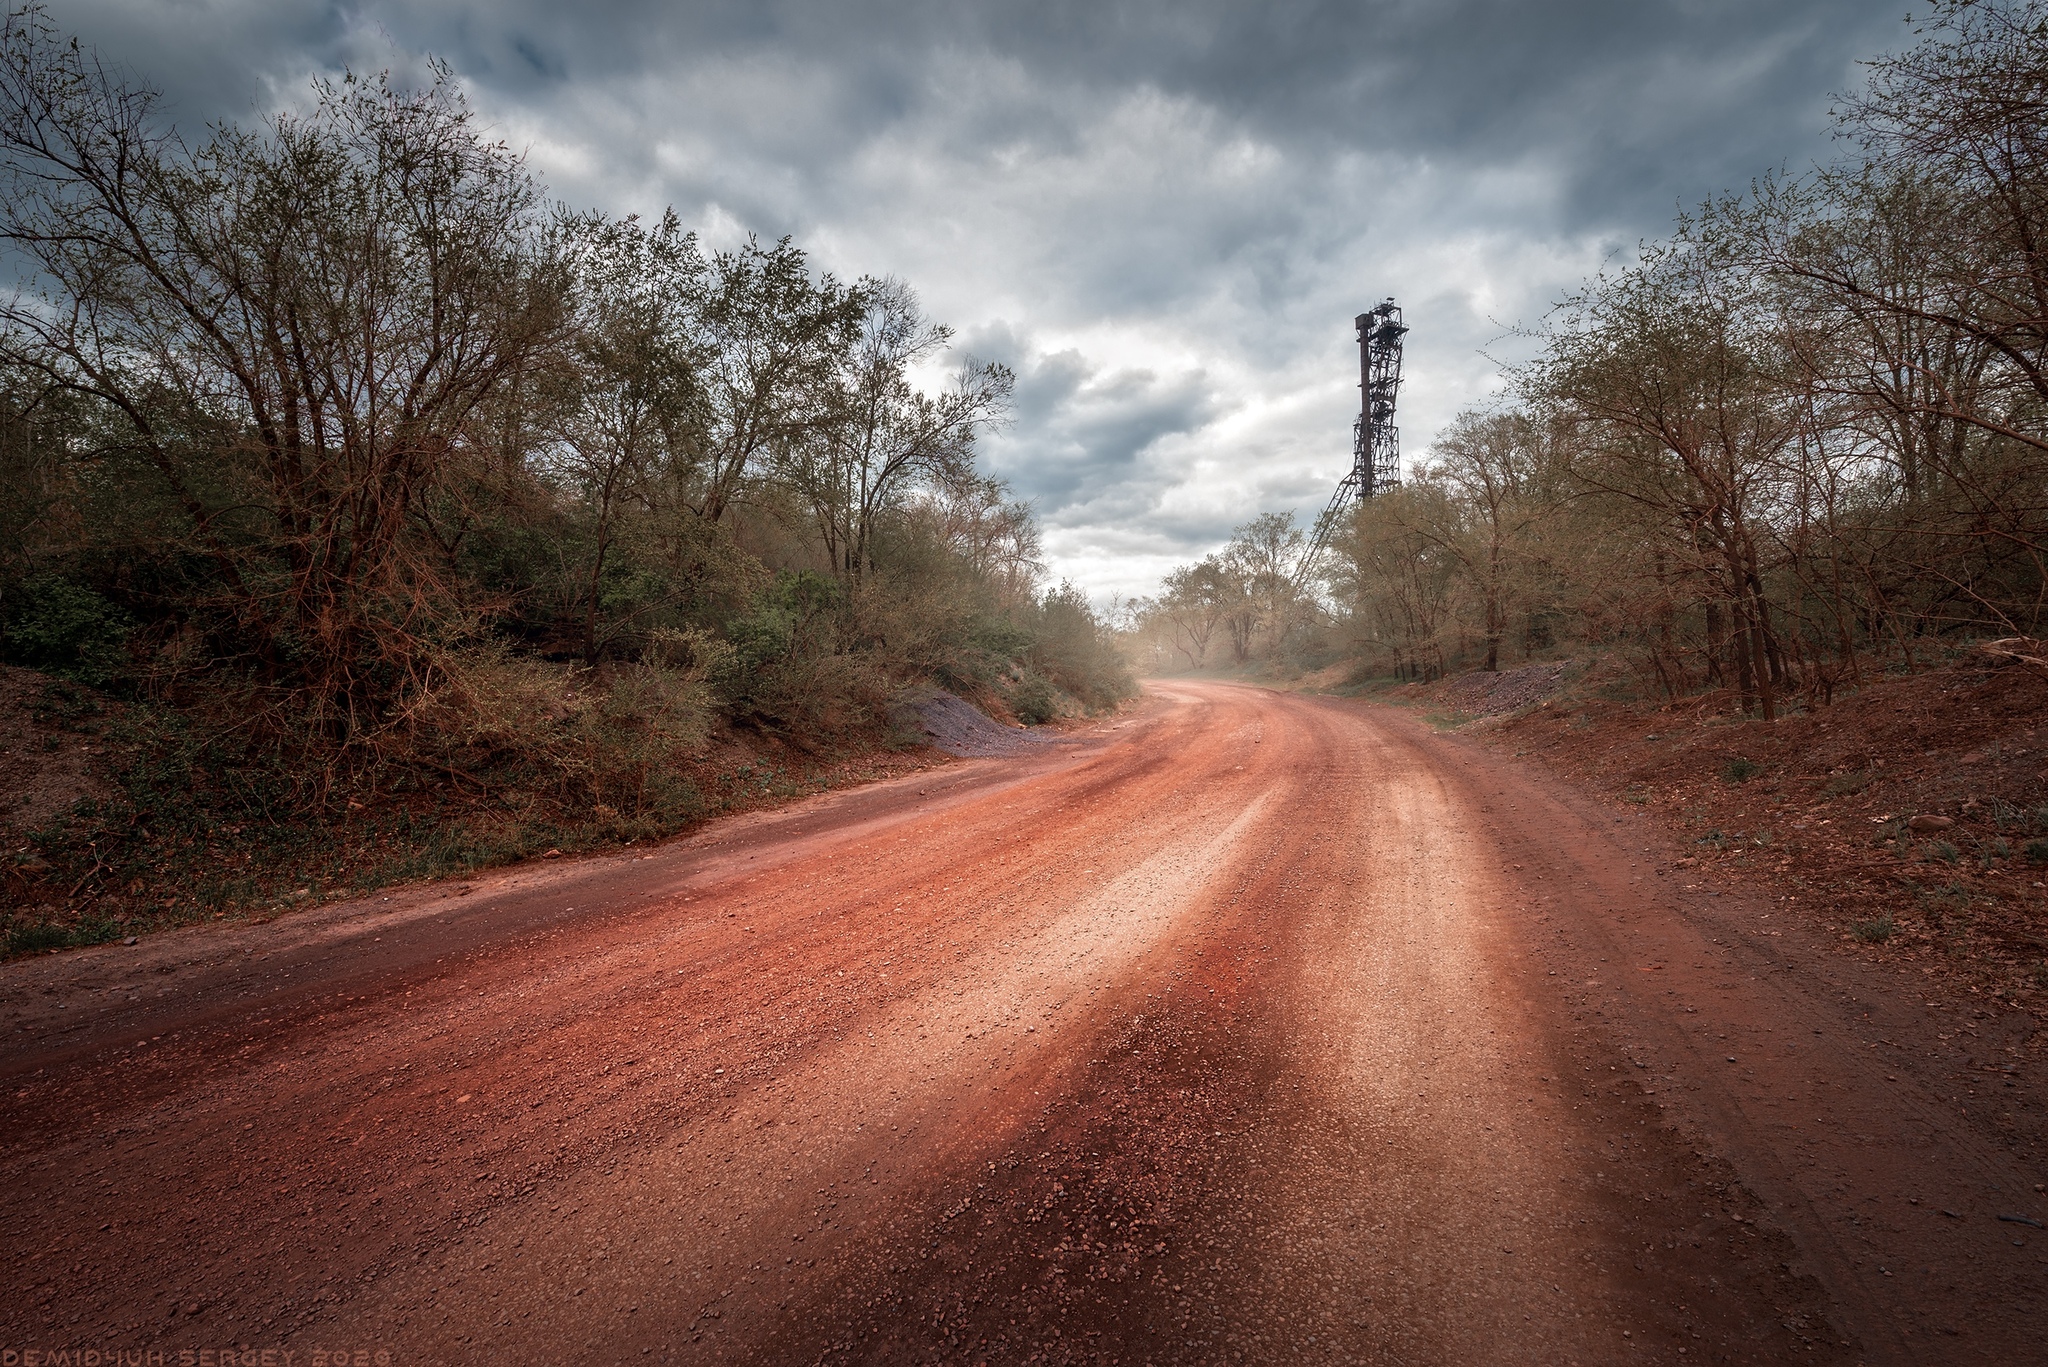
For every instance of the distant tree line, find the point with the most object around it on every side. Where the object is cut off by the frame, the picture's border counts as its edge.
(339, 429)
(1804, 435)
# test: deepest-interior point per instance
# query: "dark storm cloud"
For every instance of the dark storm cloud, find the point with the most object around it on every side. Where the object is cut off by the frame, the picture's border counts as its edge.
(1097, 444)
(1627, 98)
(1093, 436)
(1162, 215)
(1637, 103)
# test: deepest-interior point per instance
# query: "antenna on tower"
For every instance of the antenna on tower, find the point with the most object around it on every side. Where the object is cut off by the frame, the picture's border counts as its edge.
(1375, 441)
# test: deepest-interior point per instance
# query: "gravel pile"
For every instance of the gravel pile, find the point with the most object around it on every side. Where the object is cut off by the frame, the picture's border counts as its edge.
(956, 726)
(1485, 695)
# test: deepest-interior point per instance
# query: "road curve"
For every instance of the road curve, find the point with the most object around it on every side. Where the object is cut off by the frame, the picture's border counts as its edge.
(1248, 1028)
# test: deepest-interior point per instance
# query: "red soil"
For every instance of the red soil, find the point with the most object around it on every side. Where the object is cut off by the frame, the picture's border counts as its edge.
(1251, 1028)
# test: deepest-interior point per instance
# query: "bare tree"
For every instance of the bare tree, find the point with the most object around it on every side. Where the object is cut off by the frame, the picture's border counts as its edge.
(1489, 470)
(1192, 602)
(995, 536)
(1676, 383)
(877, 436)
(1399, 585)
(1262, 555)
(294, 331)
(769, 341)
(631, 397)
(1956, 122)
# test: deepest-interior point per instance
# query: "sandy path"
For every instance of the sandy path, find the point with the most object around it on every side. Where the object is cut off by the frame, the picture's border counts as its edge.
(1252, 1028)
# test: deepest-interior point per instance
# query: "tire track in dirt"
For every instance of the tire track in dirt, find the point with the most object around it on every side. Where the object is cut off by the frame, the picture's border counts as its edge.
(1215, 1187)
(1815, 1081)
(1228, 1033)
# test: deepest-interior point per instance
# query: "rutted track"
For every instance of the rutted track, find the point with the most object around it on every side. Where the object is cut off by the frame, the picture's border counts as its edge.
(1253, 1028)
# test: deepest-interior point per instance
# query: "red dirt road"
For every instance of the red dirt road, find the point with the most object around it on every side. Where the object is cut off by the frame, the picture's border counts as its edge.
(1250, 1028)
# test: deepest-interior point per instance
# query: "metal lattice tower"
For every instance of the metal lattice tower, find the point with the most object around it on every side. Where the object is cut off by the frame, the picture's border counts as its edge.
(1375, 441)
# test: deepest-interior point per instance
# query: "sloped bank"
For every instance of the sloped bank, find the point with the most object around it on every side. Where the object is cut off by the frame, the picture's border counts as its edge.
(1908, 819)
(956, 727)
(114, 828)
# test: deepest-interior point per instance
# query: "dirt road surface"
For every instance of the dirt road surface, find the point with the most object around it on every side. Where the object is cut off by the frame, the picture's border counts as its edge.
(1249, 1027)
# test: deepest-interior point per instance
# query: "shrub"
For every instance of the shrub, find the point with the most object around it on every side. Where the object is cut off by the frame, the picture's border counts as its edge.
(1033, 700)
(607, 739)
(1937, 904)
(1740, 770)
(60, 628)
(36, 937)
(1841, 785)
(64, 705)
(1075, 651)
(798, 662)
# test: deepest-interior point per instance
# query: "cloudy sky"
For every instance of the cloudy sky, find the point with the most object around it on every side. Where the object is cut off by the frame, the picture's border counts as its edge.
(1162, 215)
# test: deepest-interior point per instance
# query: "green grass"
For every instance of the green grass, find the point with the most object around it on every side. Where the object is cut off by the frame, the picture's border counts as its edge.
(1938, 904)
(36, 937)
(1875, 931)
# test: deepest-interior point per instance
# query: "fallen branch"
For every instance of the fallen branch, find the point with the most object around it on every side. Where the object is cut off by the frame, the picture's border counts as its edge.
(2019, 650)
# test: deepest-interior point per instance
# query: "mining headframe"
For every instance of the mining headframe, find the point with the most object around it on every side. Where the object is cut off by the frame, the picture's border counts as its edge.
(1375, 440)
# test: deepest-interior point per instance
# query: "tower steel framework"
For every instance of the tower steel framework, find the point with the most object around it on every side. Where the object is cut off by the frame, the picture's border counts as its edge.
(1375, 441)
